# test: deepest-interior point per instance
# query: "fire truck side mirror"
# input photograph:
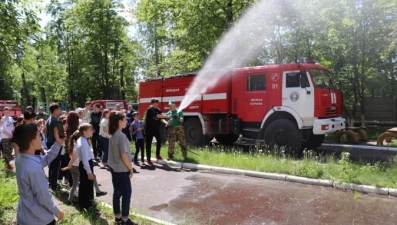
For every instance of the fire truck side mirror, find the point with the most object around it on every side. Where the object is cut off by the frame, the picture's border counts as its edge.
(304, 81)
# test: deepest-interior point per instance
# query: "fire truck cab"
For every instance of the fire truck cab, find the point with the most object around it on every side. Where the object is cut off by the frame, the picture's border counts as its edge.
(291, 105)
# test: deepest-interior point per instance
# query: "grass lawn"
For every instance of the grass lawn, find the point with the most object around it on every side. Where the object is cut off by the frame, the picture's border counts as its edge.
(312, 164)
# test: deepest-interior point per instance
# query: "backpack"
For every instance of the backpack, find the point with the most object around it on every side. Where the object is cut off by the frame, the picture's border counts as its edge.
(133, 131)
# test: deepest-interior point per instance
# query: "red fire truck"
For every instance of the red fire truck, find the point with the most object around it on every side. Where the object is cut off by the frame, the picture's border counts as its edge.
(15, 110)
(292, 105)
(110, 104)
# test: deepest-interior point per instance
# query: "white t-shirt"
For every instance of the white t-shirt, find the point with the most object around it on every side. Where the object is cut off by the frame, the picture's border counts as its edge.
(43, 142)
(80, 122)
(103, 124)
(63, 150)
(8, 126)
(83, 150)
(77, 161)
(87, 116)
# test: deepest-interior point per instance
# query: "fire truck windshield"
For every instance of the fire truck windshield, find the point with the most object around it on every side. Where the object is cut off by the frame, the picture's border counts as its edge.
(322, 78)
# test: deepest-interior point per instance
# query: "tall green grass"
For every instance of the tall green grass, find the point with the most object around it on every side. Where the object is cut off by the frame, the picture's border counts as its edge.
(8, 195)
(311, 164)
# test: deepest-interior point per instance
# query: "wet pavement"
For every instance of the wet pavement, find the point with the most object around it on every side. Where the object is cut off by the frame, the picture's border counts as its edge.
(200, 197)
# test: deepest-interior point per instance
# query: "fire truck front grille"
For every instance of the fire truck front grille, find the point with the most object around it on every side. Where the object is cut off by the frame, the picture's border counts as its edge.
(331, 110)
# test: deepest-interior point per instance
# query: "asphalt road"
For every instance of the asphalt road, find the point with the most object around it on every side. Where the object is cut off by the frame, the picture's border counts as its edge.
(202, 197)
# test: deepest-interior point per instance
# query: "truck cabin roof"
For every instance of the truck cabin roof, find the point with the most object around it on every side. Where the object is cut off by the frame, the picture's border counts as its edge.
(292, 66)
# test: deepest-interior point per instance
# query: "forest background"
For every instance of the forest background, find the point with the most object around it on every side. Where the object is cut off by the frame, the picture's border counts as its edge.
(86, 50)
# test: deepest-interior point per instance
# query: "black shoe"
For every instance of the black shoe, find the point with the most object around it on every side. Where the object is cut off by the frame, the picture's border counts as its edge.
(134, 170)
(54, 187)
(102, 193)
(117, 220)
(128, 222)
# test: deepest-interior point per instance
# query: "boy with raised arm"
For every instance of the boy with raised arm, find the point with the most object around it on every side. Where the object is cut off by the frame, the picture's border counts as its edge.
(35, 204)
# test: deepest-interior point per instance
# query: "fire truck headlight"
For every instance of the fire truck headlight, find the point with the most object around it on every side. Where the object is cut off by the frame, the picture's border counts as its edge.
(324, 127)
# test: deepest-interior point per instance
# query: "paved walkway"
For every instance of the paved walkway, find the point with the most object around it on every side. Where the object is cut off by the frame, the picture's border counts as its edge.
(212, 195)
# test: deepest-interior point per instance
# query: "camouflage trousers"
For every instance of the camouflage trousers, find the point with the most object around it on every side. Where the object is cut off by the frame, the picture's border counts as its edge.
(176, 134)
(7, 149)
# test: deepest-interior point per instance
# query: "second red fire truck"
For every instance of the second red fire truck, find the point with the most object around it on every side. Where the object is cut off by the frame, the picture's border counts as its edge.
(291, 105)
(15, 110)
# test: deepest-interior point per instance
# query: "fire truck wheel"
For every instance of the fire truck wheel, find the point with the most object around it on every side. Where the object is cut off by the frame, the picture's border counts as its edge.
(193, 132)
(284, 132)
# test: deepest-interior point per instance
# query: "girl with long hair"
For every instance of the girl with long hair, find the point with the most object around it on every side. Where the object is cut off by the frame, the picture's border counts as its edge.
(73, 164)
(72, 124)
(120, 167)
(86, 167)
(74, 167)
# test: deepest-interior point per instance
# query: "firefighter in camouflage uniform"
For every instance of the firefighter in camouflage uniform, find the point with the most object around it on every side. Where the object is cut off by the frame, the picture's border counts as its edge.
(175, 131)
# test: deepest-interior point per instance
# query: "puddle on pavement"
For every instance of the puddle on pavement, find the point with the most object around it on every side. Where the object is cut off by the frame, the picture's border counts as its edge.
(241, 200)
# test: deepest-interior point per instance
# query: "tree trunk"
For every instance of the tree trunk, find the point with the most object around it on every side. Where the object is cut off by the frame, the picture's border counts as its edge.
(122, 81)
(229, 16)
(25, 90)
(42, 94)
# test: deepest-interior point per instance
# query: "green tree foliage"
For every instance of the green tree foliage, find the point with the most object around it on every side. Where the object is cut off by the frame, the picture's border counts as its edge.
(84, 52)
(356, 42)
(178, 35)
(18, 22)
(356, 39)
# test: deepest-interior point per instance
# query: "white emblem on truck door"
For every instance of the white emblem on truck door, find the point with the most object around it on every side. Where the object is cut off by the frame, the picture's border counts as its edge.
(294, 96)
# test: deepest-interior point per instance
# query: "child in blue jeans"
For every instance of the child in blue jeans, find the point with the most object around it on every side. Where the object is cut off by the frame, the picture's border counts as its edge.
(136, 129)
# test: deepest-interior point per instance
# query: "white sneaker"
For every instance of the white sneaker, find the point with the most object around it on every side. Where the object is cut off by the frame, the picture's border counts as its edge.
(65, 182)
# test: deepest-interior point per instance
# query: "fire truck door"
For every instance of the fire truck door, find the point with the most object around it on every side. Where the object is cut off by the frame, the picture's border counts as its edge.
(298, 94)
(254, 98)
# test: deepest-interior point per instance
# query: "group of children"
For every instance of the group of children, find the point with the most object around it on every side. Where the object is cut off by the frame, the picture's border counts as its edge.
(35, 203)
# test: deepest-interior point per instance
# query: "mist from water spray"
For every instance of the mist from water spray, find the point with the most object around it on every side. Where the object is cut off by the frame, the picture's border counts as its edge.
(242, 43)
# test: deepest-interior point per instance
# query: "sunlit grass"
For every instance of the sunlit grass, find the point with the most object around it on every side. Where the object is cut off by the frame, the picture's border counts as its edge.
(311, 164)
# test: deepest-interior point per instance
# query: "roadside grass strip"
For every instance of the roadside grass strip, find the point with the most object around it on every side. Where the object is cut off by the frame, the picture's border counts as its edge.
(314, 167)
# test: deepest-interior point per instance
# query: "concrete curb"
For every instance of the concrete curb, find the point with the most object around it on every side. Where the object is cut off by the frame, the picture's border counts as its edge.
(304, 180)
(271, 176)
(363, 188)
(285, 177)
(393, 192)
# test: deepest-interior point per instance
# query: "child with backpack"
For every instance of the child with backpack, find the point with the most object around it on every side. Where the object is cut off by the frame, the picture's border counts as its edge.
(136, 129)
